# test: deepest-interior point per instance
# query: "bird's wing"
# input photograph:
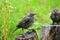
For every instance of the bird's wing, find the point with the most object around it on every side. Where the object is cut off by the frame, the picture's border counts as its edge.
(52, 15)
(25, 20)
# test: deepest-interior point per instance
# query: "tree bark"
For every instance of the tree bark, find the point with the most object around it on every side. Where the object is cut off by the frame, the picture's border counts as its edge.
(50, 32)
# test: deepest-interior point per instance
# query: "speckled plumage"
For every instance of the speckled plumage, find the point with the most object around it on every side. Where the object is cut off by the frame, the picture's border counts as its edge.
(55, 16)
(26, 22)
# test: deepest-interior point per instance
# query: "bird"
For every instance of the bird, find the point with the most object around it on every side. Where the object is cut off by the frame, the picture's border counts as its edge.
(55, 16)
(26, 22)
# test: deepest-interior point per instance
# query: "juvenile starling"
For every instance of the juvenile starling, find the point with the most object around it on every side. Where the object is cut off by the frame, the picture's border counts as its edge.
(55, 16)
(26, 22)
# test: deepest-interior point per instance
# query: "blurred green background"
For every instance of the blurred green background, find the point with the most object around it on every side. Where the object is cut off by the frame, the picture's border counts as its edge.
(19, 8)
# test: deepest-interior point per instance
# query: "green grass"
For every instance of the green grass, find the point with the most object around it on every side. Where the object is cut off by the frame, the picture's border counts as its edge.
(19, 8)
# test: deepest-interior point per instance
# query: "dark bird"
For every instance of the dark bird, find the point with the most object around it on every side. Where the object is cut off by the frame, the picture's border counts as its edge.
(26, 22)
(55, 16)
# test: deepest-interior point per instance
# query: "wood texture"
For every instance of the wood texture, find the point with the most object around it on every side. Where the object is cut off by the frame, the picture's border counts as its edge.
(28, 36)
(50, 32)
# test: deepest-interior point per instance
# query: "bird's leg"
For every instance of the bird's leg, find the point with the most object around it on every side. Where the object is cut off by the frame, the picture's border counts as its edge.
(29, 29)
(53, 23)
(58, 23)
(22, 31)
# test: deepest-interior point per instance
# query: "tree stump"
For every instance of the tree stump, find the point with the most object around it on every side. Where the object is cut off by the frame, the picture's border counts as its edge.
(50, 32)
(28, 36)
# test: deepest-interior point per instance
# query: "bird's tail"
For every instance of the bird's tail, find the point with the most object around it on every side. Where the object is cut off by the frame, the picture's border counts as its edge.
(15, 29)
